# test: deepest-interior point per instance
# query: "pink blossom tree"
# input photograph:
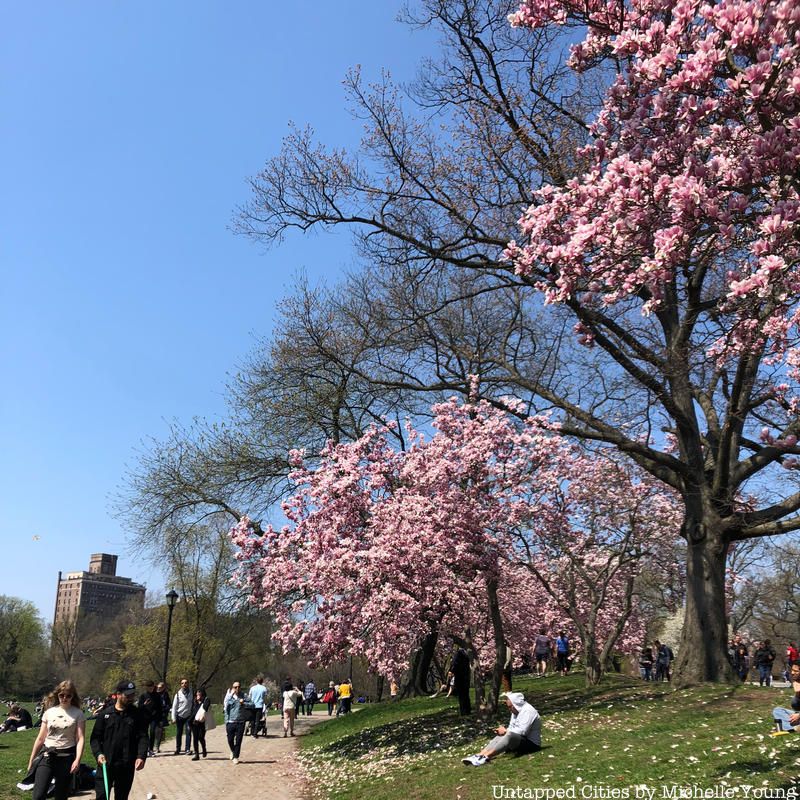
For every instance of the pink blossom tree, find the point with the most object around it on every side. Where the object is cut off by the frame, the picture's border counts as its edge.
(677, 253)
(387, 550)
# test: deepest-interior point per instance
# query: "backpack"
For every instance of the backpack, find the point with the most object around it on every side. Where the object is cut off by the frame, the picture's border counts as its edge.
(328, 697)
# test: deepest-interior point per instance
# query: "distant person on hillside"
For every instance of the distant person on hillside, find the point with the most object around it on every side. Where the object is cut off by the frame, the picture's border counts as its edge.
(522, 735)
(62, 737)
(764, 658)
(664, 657)
(447, 687)
(542, 647)
(646, 663)
(562, 653)
(792, 655)
(741, 661)
(462, 674)
(788, 720)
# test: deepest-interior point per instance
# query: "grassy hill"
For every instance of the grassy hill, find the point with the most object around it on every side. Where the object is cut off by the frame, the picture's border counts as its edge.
(621, 739)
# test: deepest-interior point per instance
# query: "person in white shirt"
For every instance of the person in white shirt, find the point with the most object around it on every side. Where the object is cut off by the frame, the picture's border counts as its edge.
(523, 734)
(62, 737)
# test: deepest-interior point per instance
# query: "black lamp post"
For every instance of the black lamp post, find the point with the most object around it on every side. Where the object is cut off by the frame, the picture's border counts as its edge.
(172, 598)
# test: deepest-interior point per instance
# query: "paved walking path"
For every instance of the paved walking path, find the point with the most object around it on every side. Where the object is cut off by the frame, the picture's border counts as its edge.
(267, 769)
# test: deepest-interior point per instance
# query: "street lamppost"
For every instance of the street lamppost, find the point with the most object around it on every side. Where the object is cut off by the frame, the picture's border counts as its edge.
(172, 598)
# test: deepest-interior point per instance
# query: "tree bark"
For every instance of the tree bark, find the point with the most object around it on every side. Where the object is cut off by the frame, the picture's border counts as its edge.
(703, 652)
(499, 646)
(421, 666)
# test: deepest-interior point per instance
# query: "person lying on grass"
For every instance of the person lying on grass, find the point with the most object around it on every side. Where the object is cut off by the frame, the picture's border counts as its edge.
(788, 720)
(523, 734)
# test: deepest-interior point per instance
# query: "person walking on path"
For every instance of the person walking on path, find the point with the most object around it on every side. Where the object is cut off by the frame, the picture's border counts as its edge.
(330, 698)
(182, 716)
(162, 719)
(290, 698)
(345, 697)
(62, 738)
(310, 693)
(234, 720)
(119, 743)
(199, 723)
(257, 694)
(150, 705)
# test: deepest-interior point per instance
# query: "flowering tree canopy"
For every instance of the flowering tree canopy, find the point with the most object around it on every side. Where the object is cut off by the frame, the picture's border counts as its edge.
(474, 527)
(677, 252)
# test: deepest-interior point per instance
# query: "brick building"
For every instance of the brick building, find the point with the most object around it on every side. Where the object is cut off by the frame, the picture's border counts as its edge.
(100, 590)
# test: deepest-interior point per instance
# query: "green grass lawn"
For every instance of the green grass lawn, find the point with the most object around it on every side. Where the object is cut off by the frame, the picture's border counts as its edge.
(599, 743)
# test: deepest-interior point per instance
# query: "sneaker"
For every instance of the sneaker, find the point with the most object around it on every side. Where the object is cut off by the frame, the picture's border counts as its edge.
(469, 760)
(195, 758)
(235, 760)
(231, 755)
(479, 761)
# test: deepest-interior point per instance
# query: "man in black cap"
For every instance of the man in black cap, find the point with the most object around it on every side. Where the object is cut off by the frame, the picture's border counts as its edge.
(119, 743)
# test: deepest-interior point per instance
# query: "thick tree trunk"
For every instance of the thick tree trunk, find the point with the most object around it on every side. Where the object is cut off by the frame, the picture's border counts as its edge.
(421, 665)
(379, 688)
(703, 651)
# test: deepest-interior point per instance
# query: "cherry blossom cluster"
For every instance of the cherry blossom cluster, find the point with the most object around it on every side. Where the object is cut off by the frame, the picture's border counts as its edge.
(384, 547)
(692, 183)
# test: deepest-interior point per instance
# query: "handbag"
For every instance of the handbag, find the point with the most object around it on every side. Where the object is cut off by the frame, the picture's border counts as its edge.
(200, 716)
(211, 723)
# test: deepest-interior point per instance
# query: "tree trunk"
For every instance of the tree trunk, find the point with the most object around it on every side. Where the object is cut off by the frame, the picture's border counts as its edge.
(421, 665)
(703, 651)
(594, 666)
(379, 688)
(499, 646)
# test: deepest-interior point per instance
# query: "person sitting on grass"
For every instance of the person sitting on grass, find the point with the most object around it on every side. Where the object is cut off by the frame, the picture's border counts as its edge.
(18, 719)
(446, 688)
(523, 734)
(788, 720)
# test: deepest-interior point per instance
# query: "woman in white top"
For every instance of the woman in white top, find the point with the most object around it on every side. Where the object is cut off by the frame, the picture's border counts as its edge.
(290, 698)
(62, 737)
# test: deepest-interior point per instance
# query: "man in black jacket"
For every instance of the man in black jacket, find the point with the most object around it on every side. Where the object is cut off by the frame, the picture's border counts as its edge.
(119, 741)
(460, 667)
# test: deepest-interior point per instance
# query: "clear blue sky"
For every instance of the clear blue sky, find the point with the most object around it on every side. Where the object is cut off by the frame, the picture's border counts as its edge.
(127, 133)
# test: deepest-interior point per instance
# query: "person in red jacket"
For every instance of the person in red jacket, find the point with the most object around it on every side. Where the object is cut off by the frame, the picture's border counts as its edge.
(792, 655)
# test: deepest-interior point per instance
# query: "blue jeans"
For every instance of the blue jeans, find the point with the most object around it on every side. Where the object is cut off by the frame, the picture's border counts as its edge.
(781, 716)
(765, 673)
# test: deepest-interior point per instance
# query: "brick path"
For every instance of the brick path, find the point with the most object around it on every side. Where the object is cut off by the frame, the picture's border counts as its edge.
(266, 771)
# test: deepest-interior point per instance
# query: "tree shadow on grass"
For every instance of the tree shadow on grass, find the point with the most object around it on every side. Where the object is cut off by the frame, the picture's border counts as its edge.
(748, 767)
(423, 734)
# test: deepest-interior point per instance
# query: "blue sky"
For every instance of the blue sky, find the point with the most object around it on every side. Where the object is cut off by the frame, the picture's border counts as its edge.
(127, 133)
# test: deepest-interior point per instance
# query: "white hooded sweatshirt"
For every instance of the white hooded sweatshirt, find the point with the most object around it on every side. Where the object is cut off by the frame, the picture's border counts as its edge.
(526, 722)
